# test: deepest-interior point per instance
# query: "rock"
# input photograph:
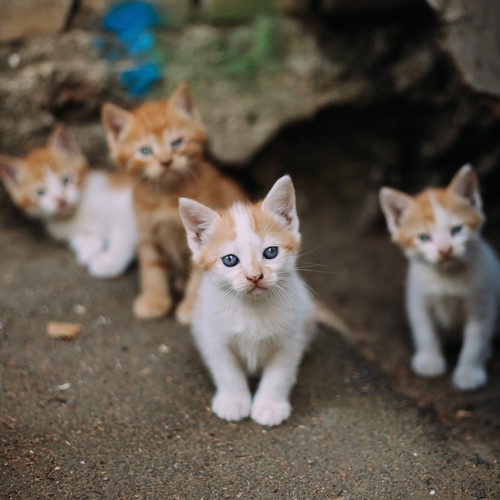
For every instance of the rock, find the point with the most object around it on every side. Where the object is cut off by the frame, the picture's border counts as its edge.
(335, 6)
(27, 18)
(40, 91)
(248, 82)
(246, 96)
(471, 31)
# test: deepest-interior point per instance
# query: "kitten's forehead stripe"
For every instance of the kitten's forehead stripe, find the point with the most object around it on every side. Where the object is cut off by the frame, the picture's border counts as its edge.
(245, 228)
(158, 116)
(436, 208)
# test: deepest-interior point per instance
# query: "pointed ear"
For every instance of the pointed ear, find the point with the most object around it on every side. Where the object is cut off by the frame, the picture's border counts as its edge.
(182, 100)
(466, 185)
(10, 169)
(197, 220)
(63, 142)
(115, 121)
(280, 201)
(394, 204)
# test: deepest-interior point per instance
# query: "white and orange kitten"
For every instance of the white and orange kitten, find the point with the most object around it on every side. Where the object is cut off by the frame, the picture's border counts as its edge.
(90, 209)
(454, 276)
(253, 315)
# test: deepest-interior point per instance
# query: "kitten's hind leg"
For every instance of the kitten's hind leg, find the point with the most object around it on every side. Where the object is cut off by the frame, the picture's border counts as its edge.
(155, 300)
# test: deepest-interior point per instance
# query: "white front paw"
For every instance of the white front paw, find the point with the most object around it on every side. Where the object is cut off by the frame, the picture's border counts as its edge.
(105, 265)
(428, 364)
(468, 378)
(86, 247)
(230, 406)
(270, 412)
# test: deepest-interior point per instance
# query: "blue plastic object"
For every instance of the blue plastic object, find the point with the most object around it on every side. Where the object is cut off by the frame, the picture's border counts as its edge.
(131, 15)
(132, 23)
(139, 79)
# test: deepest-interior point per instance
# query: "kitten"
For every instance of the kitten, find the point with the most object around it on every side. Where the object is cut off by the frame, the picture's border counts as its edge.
(89, 209)
(162, 144)
(254, 314)
(454, 276)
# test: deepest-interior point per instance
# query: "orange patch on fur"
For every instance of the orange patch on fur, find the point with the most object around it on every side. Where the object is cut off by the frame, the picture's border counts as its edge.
(420, 216)
(225, 230)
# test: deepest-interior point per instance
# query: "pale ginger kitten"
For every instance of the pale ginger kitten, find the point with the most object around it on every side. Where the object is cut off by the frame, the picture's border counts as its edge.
(161, 143)
(90, 209)
(453, 278)
(254, 315)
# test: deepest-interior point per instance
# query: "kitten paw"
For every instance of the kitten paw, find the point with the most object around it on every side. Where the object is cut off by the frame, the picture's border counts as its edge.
(105, 266)
(232, 407)
(428, 364)
(86, 247)
(149, 306)
(269, 413)
(468, 378)
(184, 313)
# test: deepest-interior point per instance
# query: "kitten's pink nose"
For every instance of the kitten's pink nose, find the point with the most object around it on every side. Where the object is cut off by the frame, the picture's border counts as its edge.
(61, 203)
(255, 279)
(166, 162)
(445, 253)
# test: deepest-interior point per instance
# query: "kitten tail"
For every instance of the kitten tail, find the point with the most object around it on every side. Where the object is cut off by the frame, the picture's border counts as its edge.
(326, 317)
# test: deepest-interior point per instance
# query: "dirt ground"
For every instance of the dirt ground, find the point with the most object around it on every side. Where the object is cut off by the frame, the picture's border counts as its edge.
(123, 410)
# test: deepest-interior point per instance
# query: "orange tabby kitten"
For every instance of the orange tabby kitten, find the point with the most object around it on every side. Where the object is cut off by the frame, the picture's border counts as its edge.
(162, 144)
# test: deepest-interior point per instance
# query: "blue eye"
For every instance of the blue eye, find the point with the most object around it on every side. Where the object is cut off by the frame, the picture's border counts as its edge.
(230, 260)
(424, 237)
(455, 230)
(270, 252)
(40, 192)
(66, 180)
(146, 150)
(177, 142)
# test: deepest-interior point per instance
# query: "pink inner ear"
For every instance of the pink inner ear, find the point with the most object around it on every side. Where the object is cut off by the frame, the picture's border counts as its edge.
(183, 100)
(115, 120)
(64, 142)
(467, 188)
(397, 209)
(8, 170)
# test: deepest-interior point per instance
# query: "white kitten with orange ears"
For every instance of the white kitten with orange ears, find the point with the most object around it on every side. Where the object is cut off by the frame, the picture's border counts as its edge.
(90, 209)
(254, 315)
(454, 275)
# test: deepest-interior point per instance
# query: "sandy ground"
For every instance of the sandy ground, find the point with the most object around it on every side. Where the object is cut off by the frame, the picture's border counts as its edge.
(123, 410)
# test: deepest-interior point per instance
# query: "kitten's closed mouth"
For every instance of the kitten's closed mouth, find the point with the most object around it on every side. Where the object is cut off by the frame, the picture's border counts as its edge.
(256, 290)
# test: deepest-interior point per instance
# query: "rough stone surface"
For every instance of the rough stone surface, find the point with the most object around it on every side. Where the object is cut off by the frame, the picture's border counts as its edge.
(63, 78)
(471, 33)
(26, 18)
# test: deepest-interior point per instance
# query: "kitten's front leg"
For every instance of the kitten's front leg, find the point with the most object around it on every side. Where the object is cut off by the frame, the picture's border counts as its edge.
(155, 300)
(270, 405)
(86, 247)
(184, 312)
(428, 360)
(470, 372)
(115, 259)
(232, 400)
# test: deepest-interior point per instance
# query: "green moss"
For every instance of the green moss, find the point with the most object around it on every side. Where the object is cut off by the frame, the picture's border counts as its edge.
(246, 53)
